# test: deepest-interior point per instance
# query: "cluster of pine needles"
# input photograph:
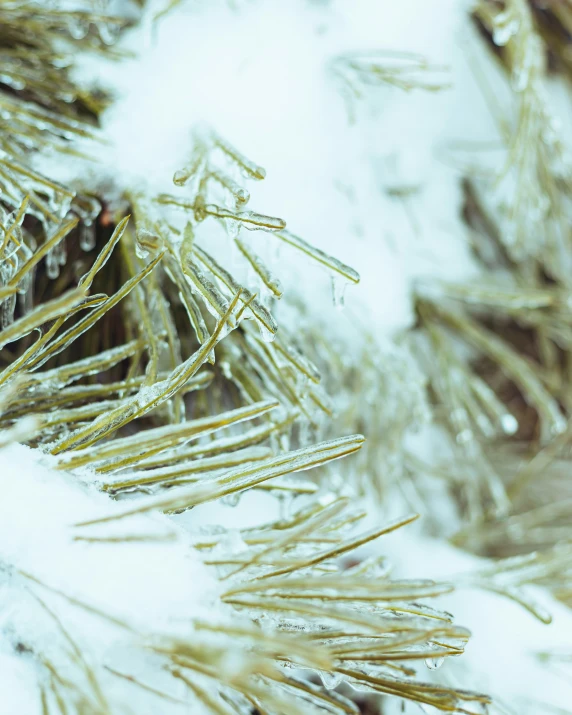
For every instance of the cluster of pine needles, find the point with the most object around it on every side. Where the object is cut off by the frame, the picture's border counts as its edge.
(132, 355)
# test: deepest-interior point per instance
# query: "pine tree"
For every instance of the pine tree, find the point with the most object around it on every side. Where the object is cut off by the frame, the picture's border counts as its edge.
(154, 360)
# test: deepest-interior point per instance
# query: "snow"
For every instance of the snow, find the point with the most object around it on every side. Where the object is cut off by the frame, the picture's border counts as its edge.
(140, 579)
(261, 75)
(153, 587)
(18, 686)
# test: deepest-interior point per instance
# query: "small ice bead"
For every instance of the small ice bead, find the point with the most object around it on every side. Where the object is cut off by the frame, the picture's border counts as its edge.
(242, 195)
(509, 424)
(505, 27)
(181, 177)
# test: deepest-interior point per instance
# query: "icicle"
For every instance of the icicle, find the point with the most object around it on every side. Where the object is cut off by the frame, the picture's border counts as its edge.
(87, 237)
(52, 264)
(434, 663)
(108, 31)
(78, 26)
(88, 209)
(61, 252)
(8, 307)
(338, 291)
(58, 199)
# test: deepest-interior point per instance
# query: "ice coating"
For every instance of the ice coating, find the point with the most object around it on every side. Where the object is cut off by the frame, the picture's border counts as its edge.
(317, 176)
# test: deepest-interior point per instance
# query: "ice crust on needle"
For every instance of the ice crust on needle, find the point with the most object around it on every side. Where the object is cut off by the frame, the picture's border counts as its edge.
(502, 653)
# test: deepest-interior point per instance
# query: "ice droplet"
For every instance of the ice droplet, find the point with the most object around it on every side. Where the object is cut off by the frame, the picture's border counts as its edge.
(434, 663)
